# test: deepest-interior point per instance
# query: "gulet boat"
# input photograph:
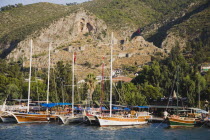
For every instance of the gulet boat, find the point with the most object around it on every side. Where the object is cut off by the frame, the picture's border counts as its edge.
(120, 120)
(34, 117)
(176, 121)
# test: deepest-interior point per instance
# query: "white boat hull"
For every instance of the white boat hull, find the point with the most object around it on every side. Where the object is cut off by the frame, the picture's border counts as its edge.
(112, 121)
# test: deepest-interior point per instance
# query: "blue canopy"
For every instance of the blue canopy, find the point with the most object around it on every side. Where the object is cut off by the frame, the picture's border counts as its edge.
(142, 106)
(127, 109)
(54, 104)
(103, 108)
(77, 108)
(64, 103)
(117, 108)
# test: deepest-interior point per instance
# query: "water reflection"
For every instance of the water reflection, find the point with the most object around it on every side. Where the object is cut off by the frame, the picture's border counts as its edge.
(84, 132)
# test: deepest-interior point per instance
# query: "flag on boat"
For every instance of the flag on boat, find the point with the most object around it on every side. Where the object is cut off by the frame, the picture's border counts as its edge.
(75, 54)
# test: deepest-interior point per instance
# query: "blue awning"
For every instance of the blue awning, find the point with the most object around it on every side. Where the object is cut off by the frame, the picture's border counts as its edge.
(127, 109)
(64, 103)
(77, 108)
(117, 108)
(103, 108)
(54, 104)
(142, 106)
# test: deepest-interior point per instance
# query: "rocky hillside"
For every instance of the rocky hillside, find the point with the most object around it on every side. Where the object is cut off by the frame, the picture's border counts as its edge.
(86, 29)
(194, 25)
(18, 23)
(89, 37)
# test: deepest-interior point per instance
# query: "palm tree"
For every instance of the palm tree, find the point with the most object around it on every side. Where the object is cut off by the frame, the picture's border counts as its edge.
(91, 84)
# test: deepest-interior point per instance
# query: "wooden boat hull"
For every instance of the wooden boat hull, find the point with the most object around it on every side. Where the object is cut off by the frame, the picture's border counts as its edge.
(32, 118)
(176, 122)
(117, 121)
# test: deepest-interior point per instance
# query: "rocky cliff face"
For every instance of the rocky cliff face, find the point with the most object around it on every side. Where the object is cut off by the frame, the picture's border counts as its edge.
(61, 33)
(171, 41)
(89, 37)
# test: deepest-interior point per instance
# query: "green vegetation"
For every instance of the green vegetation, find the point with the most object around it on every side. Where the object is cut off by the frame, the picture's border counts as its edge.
(9, 7)
(136, 13)
(180, 70)
(197, 25)
(130, 94)
(91, 84)
(14, 82)
(175, 72)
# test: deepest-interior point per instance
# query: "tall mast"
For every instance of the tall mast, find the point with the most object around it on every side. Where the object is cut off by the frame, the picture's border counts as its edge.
(111, 78)
(73, 59)
(48, 79)
(199, 96)
(177, 84)
(102, 84)
(29, 79)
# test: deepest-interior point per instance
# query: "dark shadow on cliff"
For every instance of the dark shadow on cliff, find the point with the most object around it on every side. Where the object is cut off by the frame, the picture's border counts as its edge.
(161, 34)
(7, 51)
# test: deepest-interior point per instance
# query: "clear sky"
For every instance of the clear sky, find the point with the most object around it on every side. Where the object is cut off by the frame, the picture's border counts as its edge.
(24, 2)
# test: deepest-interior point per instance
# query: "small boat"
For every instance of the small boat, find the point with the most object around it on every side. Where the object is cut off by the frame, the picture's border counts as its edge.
(176, 121)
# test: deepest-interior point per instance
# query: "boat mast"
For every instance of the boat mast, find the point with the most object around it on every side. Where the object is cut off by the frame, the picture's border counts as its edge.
(102, 85)
(73, 61)
(177, 86)
(48, 79)
(29, 79)
(199, 96)
(111, 78)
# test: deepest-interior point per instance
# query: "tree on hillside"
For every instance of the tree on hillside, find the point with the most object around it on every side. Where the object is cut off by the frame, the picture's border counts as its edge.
(151, 92)
(200, 84)
(12, 91)
(206, 94)
(131, 94)
(61, 79)
(9, 7)
(189, 89)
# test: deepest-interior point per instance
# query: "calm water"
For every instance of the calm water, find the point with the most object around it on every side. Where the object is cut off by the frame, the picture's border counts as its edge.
(83, 132)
